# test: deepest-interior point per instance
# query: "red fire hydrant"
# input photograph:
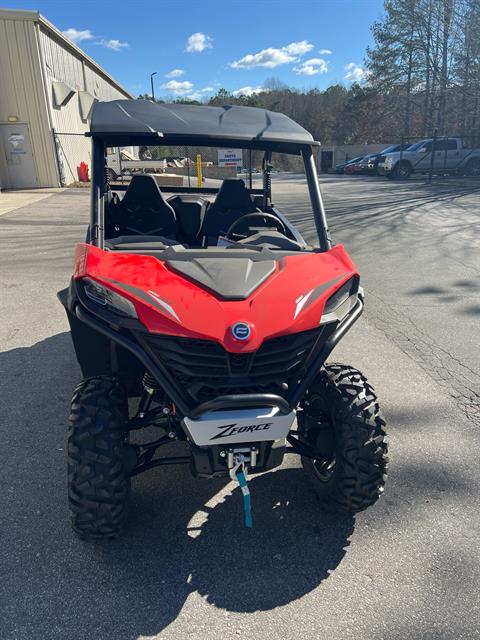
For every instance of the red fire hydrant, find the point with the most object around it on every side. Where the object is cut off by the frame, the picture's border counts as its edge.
(83, 172)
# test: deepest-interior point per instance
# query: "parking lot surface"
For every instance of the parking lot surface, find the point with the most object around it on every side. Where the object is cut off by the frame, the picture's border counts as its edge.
(408, 568)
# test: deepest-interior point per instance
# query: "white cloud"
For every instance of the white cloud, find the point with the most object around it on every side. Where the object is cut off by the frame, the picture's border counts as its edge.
(178, 88)
(199, 94)
(312, 67)
(198, 42)
(299, 48)
(272, 57)
(115, 45)
(325, 52)
(77, 36)
(175, 73)
(355, 73)
(248, 91)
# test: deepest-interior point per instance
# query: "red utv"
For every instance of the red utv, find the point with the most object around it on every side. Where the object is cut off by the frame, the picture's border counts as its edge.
(203, 315)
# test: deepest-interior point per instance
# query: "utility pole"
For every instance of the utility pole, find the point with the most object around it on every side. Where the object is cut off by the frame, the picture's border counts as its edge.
(151, 82)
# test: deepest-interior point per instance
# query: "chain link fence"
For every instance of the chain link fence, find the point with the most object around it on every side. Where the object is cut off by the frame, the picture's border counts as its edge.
(195, 165)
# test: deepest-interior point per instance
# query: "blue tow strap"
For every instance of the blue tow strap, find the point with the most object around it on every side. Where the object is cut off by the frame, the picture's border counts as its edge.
(247, 506)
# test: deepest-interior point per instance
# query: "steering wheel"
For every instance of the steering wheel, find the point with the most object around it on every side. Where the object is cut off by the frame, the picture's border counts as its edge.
(245, 222)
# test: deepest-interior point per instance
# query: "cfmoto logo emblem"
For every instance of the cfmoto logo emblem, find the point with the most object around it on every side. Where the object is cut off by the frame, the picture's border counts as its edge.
(241, 331)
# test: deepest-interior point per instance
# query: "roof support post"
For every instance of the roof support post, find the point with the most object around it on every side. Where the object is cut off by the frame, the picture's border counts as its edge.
(97, 192)
(316, 199)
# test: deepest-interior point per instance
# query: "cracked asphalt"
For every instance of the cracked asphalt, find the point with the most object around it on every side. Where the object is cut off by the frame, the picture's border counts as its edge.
(408, 568)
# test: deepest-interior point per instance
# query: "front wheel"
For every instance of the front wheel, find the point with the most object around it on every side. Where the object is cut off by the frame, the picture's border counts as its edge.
(98, 484)
(342, 422)
(473, 168)
(402, 170)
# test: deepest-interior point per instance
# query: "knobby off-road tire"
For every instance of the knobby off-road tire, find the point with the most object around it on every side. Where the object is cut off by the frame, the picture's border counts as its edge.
(347, 405)
(98, 486)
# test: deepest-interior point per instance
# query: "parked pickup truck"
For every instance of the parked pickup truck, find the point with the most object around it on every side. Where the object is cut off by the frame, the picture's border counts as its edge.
(449, 156)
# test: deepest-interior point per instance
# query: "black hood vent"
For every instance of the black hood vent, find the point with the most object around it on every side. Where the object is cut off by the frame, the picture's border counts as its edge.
(229, 279)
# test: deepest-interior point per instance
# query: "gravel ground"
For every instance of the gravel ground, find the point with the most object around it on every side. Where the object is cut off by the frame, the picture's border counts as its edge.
(408, 568)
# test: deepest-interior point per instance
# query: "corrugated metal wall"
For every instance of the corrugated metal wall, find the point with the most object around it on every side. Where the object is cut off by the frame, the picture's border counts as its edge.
(62, 65)
(33, 55)
(22, 95)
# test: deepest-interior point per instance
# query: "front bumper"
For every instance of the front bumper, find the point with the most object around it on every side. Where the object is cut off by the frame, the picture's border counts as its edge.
(383, 170)
(176, 394)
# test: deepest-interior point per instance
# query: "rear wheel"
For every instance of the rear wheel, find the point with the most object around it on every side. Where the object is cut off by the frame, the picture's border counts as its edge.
(343, 423)
(98, 485)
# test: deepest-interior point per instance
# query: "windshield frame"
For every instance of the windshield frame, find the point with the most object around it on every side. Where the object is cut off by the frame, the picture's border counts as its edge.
(100, 187)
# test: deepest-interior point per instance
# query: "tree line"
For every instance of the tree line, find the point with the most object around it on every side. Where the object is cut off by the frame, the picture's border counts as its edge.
(422, 76)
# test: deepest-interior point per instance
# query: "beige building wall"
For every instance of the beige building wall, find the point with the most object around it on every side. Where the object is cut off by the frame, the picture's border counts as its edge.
(22, 95)
(33, 56)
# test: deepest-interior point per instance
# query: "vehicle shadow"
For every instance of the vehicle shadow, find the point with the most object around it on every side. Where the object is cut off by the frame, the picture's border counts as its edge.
(184, 535)
(364, 215)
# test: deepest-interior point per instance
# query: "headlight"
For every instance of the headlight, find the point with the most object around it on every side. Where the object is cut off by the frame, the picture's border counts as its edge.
(108, 299)
(341, 302)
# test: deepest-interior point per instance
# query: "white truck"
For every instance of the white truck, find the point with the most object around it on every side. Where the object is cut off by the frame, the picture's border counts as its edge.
(123, 161)
(449, 156)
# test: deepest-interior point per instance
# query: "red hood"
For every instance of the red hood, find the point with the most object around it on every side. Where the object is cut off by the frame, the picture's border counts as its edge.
(271, 310)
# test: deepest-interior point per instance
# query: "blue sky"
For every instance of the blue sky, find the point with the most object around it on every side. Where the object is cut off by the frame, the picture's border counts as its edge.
(196, 47)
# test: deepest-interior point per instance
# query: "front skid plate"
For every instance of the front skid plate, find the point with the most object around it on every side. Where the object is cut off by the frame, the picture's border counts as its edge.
(237, 426)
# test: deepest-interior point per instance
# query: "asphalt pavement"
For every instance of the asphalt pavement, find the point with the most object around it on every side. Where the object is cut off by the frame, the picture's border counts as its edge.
(408, 568)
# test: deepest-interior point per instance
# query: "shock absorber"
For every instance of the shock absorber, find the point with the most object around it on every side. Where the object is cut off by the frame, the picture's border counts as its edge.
(150, 388)
(267, 182)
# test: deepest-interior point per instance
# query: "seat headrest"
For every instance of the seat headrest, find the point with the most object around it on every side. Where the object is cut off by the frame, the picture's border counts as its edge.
(233, 196)
(143, 191)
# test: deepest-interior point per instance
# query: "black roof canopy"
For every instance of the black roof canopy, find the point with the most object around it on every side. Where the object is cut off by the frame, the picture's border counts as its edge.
(130, 122)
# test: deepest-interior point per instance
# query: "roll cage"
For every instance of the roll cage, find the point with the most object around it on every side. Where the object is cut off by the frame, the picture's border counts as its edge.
(143, 123)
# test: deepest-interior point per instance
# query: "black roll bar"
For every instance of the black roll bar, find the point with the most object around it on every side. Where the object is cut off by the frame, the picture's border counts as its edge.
(97, 193)
(316, 199)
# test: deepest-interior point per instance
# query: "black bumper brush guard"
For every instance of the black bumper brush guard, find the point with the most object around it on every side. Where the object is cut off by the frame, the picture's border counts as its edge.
(208, 462)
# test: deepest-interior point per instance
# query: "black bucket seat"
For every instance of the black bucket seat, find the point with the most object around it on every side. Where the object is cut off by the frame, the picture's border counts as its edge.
(143, 210)
(232, 202)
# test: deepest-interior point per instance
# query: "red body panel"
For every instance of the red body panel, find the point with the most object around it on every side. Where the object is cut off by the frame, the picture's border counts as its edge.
(270, 309)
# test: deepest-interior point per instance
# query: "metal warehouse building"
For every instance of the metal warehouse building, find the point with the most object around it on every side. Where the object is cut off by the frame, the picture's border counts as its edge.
(47, 88)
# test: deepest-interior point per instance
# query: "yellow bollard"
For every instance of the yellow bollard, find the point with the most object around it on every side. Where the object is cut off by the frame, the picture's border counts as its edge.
(199, 170)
